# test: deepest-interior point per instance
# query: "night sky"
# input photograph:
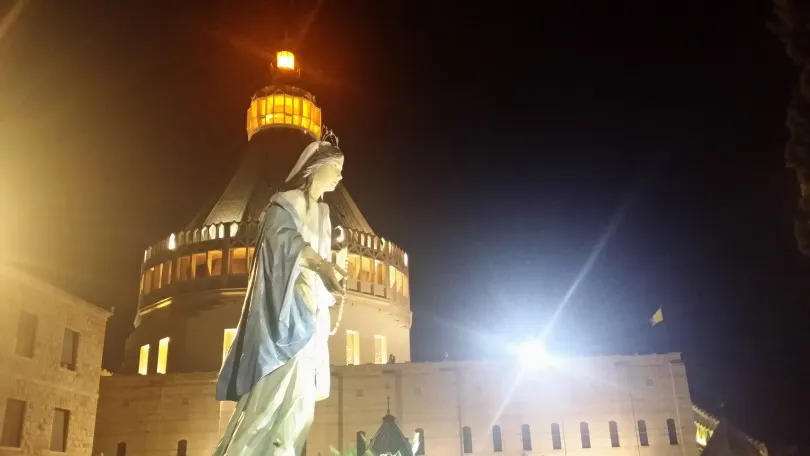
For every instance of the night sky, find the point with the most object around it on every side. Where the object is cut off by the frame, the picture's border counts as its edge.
(502, 147)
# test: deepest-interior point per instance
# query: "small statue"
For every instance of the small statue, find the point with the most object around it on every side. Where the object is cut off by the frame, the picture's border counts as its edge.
(278, 364)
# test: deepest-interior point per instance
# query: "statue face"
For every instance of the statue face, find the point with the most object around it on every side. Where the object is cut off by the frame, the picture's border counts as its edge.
(328, 176)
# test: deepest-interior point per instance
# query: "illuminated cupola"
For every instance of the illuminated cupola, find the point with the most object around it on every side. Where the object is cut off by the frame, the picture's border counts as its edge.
(284, 104)
(193, 280)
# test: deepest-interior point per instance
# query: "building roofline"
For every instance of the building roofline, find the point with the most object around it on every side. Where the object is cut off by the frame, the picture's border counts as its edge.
(16, 273)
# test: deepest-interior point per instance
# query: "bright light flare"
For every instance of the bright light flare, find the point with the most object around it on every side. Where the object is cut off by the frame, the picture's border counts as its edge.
(532, 354)
(285, 60)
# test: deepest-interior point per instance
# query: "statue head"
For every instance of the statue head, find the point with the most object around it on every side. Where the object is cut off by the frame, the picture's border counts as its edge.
(318, 170)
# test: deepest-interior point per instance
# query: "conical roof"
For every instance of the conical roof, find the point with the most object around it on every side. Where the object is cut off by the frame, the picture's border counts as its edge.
(270, 156)
(389, 439)
(728, 441)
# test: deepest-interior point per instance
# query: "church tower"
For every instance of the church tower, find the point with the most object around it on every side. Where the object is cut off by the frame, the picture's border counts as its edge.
(193, 280)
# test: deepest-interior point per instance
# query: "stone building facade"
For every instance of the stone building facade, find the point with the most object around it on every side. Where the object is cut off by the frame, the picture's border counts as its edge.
(50, 365)
(625, 405)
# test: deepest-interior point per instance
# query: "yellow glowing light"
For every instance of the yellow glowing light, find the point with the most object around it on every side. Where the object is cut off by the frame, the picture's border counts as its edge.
(227, 341)
(284, 110)
(285, 60)
(172, 242)
(143, 360)
(163, 355)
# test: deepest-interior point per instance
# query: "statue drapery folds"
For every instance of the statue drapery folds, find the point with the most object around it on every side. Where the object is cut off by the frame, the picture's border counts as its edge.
(278, 364)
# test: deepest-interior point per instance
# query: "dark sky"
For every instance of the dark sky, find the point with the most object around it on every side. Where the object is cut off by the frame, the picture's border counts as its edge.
(496, 144)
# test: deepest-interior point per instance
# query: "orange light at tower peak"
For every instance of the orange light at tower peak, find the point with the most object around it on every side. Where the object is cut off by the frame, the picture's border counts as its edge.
(285, 60)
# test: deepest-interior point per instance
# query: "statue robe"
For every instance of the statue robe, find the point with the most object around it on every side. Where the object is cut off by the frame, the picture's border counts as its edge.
(276, 323)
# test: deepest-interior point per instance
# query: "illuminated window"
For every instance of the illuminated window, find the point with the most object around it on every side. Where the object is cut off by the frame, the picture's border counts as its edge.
(352, 347)
(163, 355)
(251, 252)
(215, 262)
(354, 266)
(405, 290)
(392, 277)
(365, 269)
(227, 341)
(239, 264)
(199, 266)
(143, 360)
(59, 431)
(184, 268)
(167, 273)
(282, 109)
(380, 270)
(147, 281)
(155, 277)
(380, 349)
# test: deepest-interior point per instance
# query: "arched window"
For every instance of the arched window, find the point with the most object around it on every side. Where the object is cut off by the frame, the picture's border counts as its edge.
(420, 434)
(643, 440)
(361, 443)
(585, 434)
(121, 450)
(497, 439)
(526, 437)
(466, 439)
(556, 441)
(181, 447)
(672, 431)
(614, 434)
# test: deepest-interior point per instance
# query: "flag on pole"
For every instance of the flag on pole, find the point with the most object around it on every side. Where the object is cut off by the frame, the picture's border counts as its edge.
(657, 317)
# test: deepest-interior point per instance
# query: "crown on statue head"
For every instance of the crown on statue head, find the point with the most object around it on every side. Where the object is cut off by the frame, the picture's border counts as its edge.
(330, 137)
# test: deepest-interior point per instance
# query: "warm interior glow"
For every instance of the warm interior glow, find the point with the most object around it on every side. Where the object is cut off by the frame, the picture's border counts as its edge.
(285, 60)
(163, 355)
(284, 110)
(143, 360)
(352, 347)
(172, 242)
(227, 341)
(380, 349)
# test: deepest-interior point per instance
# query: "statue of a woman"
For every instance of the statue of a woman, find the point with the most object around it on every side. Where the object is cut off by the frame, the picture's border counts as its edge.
(278, 365)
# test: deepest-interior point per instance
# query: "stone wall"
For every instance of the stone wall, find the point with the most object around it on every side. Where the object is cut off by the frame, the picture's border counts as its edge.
(151, 414)
(40, 380)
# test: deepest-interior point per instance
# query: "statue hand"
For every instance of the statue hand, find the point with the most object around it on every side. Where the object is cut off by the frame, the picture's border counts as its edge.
(332, 277)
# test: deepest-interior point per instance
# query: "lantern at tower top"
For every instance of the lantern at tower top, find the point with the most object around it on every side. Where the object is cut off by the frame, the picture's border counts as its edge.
(285, 60)
(285, 68)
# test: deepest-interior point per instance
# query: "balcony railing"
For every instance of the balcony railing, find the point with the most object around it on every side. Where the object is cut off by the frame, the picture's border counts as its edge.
(217, 257)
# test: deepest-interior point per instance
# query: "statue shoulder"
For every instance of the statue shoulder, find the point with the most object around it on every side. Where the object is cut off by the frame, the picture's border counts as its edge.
(294, 198)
